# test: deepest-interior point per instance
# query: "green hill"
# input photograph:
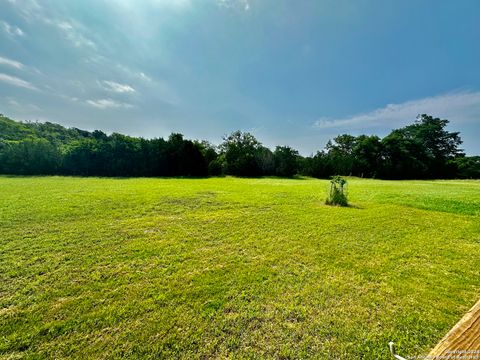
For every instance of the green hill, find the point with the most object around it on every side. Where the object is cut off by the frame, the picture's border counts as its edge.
(11, 130)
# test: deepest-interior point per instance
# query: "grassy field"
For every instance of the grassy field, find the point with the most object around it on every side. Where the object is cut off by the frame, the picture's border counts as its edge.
(233, 268)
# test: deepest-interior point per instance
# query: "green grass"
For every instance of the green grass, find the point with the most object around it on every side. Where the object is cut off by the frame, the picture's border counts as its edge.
(233, 268)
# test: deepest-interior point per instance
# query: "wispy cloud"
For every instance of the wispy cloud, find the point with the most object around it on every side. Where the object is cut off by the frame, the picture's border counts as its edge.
(108, 104)
(73, 31)
(117, 87)
(28, 9)
(21, 105)
(73, 34)
(162, 89)
(172, 3)
(459, 107)
(11, 30)
(132, 6)
(144, 77)
(138, 75)
(15, 81)
(69, 98)
(243, 4)
(12, 63)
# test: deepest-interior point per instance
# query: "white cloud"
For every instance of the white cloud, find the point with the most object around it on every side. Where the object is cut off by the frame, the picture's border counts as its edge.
(13, 102)
(117, 87)
(73, 34)
(12, 63)
(108, 104)
(459, 107)
(243, 4)
(161, 88)
(131, 6)
(176, 4)
(139, 75)
(73, 31)
(68, 97)
(28, 9)
(12, 80)
(144, 77)
(11, 30)
(23, 106)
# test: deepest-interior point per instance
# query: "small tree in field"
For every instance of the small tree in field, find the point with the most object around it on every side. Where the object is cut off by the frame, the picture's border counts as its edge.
(338, 192)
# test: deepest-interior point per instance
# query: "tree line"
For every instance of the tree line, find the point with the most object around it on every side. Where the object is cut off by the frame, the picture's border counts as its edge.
(422, 150)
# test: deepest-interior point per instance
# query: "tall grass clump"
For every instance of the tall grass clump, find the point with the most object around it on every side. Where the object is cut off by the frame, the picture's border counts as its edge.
(338, 192)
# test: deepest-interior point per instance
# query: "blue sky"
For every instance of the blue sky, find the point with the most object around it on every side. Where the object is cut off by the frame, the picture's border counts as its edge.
(291, 72)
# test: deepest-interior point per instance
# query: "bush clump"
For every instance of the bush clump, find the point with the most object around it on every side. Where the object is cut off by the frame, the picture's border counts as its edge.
(338, 192)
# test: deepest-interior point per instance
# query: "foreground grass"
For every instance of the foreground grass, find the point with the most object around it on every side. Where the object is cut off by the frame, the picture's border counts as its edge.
(241, 268)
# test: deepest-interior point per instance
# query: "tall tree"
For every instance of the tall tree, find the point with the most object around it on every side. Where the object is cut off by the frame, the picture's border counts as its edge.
(421, 150)
(286, 161)
(240, 150)
(368, 156)
(340, 154)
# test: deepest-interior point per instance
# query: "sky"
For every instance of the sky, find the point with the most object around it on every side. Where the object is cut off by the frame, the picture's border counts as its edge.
(292, 72)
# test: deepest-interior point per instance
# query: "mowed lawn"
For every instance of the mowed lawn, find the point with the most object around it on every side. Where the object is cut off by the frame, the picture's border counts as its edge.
(233, 268)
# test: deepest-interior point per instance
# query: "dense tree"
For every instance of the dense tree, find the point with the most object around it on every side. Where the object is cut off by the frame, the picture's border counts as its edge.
(340, 154)
(424, 149)
(286, 161)
(467, 167)
(368, 156)
(421, 150)
(265, 161)
(318, 166)
(402, 156)
(12, 130)
(29, 157)
(209, 153)
(241, 153)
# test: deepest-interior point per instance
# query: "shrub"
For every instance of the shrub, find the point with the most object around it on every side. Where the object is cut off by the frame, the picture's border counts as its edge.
(338, 192)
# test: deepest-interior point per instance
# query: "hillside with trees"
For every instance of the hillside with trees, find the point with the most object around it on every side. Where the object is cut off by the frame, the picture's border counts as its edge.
(422, 150)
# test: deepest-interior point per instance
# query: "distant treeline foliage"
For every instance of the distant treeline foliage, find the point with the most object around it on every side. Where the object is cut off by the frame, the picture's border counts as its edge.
(423, 150)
